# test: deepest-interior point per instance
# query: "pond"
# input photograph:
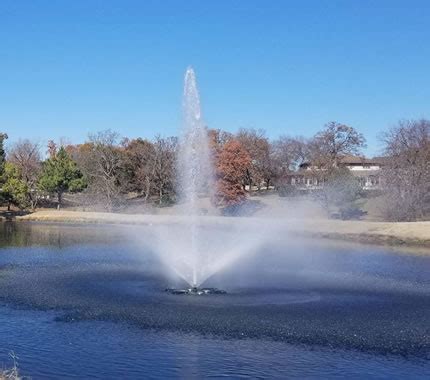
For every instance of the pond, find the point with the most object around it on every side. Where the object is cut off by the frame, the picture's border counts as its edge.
(88, 301)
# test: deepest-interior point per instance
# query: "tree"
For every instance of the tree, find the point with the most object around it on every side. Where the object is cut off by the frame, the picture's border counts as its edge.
(52, 148)
(340, 192)
(138, 166)
(290, 152)
(287, 154)
(334, 142)
(406, 173)
(3, 137)
(14, 189)
(233, 162)
(61, 174)
(100, 160)
(257, 145)
(218, 138)
(164, 167)
(25, 155)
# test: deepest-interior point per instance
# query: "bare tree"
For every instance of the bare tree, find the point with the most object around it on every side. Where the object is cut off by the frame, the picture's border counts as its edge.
(138, 166)
(218, 138)
(406, 174)
(52, 148)
(26, 157)
(164, 166)
(287, 154)
(100, 160)
(334, 142)
(290, 152)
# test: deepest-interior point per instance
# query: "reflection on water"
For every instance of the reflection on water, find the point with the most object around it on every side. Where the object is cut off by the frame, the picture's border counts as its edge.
(46, 234)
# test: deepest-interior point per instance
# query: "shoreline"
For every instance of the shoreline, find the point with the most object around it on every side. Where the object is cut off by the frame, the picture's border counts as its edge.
(397, 234)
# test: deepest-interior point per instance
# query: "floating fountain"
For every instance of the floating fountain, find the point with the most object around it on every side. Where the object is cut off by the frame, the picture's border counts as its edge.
(195, 180)
(195, 291)
(195, 169)
(196, 246)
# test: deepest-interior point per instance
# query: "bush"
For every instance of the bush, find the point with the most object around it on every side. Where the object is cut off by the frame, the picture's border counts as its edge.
(340, 191)
(287, 190)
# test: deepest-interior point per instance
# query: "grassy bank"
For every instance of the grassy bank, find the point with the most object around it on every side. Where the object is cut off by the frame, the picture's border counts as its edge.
(396, 234)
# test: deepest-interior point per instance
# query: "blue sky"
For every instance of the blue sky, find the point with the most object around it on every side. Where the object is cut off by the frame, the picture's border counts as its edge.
(68, 68)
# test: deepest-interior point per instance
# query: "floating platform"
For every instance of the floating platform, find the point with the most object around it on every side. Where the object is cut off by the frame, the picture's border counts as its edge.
(195, 291)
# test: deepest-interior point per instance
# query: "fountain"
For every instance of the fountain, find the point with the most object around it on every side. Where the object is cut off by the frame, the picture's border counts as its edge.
(195, 180)
(195, 169)
(199, 246)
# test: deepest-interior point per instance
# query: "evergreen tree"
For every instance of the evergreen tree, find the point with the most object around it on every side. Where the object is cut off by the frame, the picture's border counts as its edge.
(3, 137)
(14, 190)
(340, 192)
(60, 174)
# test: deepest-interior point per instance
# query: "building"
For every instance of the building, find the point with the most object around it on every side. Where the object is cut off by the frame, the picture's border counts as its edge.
(367, 171)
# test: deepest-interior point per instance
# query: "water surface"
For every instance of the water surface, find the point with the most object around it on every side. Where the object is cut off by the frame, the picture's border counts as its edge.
(84, 301)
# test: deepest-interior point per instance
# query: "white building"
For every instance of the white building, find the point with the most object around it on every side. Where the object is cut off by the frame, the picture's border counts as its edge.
(368, 172)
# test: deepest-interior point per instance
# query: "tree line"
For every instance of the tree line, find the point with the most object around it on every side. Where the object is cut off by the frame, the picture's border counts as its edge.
(108, 169)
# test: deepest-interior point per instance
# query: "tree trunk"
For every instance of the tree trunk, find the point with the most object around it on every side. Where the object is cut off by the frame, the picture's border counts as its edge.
(108, 198)
(60, 199)
(147, 190)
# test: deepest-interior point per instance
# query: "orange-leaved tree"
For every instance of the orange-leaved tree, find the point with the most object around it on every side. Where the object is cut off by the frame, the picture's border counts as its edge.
(232, 162)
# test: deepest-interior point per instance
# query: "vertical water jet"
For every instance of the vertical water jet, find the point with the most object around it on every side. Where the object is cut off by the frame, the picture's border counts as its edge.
(195, 168)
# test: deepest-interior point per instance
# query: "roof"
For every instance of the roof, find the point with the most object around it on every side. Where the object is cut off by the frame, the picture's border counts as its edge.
(360, 160)
(356, 160)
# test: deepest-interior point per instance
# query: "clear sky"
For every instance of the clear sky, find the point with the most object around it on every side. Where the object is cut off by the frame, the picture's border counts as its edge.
(68, 68)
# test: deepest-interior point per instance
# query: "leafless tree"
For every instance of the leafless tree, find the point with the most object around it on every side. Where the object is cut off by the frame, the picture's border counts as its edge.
(164, 166)
(26, 156)
(100, 160)
(290, 152)
(52, 149)
(406, 174)
(218, 138)
(334, 142)
(287, 154)
(139, 159)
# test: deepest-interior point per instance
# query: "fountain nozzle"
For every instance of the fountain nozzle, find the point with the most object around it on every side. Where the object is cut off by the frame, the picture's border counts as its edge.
(195, 291)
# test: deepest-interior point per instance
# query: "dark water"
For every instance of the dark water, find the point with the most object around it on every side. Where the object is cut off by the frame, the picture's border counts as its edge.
(88, 302)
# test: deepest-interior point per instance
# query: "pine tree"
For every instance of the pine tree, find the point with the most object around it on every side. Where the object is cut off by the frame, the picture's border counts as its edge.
(14, 190)
(3, 137)
(60, 174)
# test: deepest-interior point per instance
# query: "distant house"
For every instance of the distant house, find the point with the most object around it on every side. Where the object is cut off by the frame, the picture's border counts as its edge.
(367, 171)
